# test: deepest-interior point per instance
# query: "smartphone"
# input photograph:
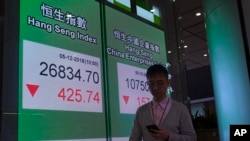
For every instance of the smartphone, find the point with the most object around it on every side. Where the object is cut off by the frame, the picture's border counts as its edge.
(152, 126)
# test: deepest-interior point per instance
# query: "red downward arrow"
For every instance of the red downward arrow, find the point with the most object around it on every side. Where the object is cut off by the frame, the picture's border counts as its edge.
(125, 98)
(32, 88)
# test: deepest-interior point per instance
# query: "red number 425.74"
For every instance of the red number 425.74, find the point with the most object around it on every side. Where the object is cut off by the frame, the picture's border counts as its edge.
(76, 95)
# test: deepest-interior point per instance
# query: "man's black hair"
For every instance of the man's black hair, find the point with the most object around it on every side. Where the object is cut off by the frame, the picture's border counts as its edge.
(156, 69)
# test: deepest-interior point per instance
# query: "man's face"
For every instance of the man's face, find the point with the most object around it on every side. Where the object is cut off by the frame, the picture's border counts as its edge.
(158, 85)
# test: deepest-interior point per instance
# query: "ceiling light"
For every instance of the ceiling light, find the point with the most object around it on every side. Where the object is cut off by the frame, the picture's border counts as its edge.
(198, 14)
(169, 51)
(185, 46)
(205, 55)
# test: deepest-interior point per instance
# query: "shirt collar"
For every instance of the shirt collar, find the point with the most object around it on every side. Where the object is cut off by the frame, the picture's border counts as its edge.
(162, 103)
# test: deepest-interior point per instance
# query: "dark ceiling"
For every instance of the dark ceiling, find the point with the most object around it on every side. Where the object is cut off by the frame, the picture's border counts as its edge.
(192, 33)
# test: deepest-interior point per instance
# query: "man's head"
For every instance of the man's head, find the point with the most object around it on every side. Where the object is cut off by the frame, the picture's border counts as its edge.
(157, 76)
(156, 69)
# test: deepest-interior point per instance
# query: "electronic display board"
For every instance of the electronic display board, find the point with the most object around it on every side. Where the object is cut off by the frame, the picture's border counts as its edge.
(61, 88)
(132, 46)
(60, 71)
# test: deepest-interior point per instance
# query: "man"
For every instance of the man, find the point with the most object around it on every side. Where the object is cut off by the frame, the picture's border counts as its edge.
(172, 118)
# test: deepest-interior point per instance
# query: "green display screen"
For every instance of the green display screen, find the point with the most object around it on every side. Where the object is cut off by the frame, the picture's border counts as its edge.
(60, 71)
(80, 70)
(132, 46)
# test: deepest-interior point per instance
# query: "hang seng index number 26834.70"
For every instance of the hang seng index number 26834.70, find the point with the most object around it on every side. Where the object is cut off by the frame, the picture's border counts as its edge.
(68, 72)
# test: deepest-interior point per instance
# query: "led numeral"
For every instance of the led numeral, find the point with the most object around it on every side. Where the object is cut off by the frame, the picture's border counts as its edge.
(76, 95)
(142, 100)
(63, 72)
(137, 84)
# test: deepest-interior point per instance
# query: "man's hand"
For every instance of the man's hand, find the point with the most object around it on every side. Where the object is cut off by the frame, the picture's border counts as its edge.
(161, 134)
